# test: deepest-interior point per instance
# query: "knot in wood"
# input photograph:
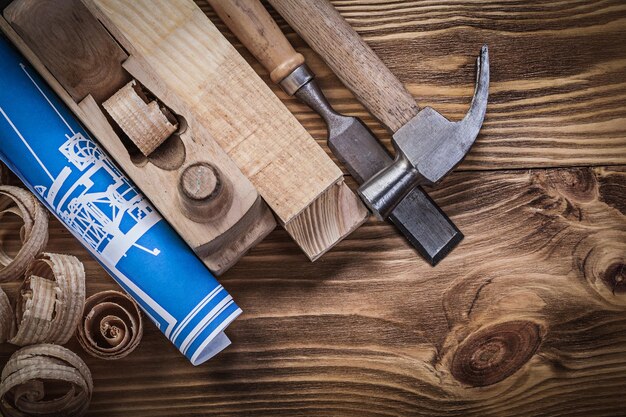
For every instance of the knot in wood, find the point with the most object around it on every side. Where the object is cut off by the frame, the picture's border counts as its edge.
(495, 352)
(611, 191)
(615, 277)
(577, 185)
(602, 260)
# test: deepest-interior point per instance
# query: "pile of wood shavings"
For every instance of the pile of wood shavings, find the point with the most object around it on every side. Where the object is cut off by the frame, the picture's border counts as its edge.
(50, 307)
(34, 233)
(52, 300)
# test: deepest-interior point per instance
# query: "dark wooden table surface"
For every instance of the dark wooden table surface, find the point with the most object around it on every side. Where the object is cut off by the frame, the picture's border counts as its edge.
(525, 317)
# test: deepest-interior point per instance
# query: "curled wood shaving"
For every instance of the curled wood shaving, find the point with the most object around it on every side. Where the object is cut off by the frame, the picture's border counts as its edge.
(34, 233)
(7, 322)
(145, 123)
(112, 326)
(35, 375)
(52, 300)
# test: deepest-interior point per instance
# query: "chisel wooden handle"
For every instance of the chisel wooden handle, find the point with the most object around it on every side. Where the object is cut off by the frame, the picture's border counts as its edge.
(256, 29)
(354, 62)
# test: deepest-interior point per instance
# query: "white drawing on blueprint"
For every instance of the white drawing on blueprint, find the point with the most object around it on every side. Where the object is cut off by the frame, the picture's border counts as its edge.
(97, 215)
(93, 214)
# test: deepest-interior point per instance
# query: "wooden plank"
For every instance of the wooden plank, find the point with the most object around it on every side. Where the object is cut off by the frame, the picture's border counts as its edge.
(220, 240)
(532, 301)
(557, 86)
(194, 61)
(374, 337)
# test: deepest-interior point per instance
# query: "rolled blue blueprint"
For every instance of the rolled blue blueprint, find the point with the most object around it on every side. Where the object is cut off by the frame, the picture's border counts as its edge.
(43, 143)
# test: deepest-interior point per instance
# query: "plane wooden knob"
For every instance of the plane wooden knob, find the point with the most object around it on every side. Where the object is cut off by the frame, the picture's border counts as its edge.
(204, 193)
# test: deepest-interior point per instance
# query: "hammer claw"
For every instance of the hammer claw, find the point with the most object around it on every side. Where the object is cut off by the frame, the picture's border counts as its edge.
(478, 107)
(428, 147)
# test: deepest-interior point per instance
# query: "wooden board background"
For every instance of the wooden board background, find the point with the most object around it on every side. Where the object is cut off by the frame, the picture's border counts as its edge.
(525, 317)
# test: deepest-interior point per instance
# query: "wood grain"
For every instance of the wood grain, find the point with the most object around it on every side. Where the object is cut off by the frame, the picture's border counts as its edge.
(204, 192)
(143, 121)
(96, 65)
(334, 214)
(557, 82)
(260, 33)
(525, 317)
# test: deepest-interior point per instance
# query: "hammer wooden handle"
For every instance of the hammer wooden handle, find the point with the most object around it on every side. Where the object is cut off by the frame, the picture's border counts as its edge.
(258, 32)
(354, 62)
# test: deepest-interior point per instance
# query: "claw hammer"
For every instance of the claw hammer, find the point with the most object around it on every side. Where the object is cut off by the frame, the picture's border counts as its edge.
(416, 216)
(428, 146)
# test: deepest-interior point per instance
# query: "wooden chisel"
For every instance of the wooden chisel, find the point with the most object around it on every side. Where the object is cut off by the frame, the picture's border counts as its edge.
(417, 216)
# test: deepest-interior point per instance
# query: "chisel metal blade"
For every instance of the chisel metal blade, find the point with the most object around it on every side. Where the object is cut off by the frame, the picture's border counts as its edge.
(417, 216)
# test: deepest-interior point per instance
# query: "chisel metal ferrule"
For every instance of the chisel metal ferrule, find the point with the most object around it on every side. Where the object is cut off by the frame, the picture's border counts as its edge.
(296, 80)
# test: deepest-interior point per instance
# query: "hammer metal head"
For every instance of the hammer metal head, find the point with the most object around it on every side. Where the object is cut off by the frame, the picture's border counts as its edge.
(433, 144)
(418, 217)
(428, 147)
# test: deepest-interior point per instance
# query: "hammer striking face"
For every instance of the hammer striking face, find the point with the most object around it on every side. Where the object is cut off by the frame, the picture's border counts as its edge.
(428, 147)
